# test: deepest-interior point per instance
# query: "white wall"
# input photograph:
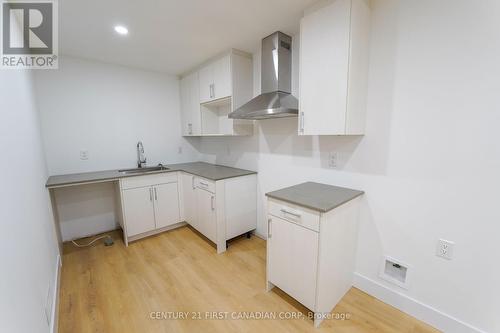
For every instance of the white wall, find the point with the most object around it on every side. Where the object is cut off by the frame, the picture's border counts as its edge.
(429, 161)
(28, 245)
(105, 109)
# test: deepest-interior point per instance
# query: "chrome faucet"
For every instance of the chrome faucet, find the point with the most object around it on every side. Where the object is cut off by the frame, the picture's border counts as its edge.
(141, 158)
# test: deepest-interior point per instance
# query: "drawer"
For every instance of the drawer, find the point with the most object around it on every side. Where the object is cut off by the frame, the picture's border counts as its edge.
(205, 184)
(305, 217)
(148, 180)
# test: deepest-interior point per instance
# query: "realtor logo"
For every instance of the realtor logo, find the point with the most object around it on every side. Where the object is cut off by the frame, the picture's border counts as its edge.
(29, 34)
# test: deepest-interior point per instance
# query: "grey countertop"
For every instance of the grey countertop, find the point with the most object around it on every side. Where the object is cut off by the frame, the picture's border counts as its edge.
(316, 196)
(202, 169)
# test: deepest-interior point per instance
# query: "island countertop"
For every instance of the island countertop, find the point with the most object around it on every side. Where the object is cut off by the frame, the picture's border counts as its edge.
(205, 170)
(316, 196)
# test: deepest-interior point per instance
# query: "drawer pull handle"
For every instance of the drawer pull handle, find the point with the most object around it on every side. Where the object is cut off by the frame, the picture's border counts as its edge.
(269, 228)
(284, 211)
(204, 184)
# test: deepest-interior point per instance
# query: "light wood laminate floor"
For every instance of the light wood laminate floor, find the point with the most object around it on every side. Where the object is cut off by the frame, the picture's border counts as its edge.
(116, 289)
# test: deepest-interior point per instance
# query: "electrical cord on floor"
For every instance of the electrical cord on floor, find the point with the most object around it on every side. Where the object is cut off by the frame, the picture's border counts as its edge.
(106, 242)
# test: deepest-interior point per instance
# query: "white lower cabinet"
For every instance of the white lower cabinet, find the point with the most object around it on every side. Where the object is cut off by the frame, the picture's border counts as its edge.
(311, 254)
(138, 210)
(293, 259)
(189, 199)
(166, 205)
(206, 222)
(149, 204)
(220, 210)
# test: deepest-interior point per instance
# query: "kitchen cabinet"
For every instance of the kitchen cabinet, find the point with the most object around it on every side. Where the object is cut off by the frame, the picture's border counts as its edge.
(220, 210)
(310, 253)
(215, 80)
(138, 210)
(189, 199)
(150, 204)
(224, 84)
(206, 222)
(166, 205)
(190, 106)
(333, 61)
(293, 254)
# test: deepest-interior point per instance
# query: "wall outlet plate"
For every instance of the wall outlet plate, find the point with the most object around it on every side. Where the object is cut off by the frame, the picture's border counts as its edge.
(444, 249)
(333, 160)
(84, 154)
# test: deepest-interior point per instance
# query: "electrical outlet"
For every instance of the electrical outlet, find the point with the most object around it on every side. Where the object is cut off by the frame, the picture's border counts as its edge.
(84, 154)
(333, 159)
(444, 249)
(179, 150)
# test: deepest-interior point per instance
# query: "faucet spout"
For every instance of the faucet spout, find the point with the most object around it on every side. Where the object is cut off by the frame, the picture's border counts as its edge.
(141, 158)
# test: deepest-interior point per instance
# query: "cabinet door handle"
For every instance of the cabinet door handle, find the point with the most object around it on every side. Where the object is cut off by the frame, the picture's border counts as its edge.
(213, 90)
(269, 229)
(192, 182)
(190, 128)
(150, 194)
(210, 87)
(284, 211)
(212, 202)
(156, 195)
(302, 122)
(204, 184)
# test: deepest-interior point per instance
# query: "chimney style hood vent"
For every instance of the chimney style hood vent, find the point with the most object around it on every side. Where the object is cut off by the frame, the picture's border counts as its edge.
(276, 100)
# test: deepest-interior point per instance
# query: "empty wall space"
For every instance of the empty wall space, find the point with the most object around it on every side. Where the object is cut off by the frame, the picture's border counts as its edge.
(429, 160)
(28, 246)
(105, 110)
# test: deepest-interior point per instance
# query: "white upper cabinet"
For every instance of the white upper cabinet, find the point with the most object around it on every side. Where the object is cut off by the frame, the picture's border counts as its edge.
(190, 105)
(215, 80)
(334, 42)
(223, 85)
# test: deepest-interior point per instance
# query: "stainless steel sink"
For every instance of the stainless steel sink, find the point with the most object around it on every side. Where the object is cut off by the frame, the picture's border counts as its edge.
(144, 170)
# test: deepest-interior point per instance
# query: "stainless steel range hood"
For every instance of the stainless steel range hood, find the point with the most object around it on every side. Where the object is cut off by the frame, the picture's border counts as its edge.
(276, 100)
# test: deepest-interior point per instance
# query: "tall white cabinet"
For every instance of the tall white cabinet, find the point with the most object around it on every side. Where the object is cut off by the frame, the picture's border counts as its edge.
(213, 90)
(333, 61)
(190, 105)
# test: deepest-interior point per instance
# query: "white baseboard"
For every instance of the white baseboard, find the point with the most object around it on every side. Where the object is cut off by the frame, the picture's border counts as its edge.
(258, 234)
(414, 308)
(55, 297)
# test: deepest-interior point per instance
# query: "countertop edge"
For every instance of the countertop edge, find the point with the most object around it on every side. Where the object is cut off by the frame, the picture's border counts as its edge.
(117, 177)
(321, 210)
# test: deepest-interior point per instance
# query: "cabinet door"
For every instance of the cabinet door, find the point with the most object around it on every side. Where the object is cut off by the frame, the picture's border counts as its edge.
(166, 203)
(324, 65)
(205, 203)
(189, 199)
(190, 105)
(292, 255)
(206, 80)
(138, 210)
(185, 107)
(222, 78)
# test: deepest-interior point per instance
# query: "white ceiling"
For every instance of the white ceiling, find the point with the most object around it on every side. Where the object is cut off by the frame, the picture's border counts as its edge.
(171, 36)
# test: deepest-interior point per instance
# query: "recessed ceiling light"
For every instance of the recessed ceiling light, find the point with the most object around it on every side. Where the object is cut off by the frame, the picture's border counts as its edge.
(121, 30)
